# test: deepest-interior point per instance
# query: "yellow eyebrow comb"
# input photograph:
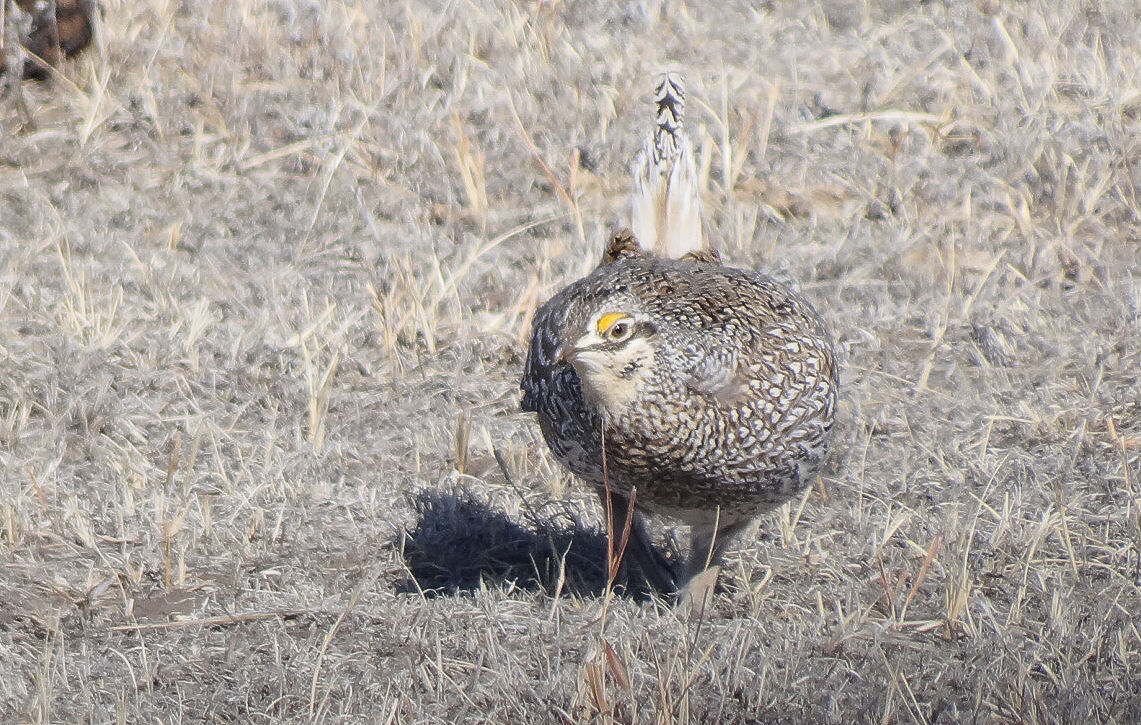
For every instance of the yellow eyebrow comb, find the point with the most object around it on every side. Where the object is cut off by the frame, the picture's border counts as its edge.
(607, 321)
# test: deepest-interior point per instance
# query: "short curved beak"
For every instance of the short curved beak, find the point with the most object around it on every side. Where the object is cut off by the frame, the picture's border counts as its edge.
(565, 353)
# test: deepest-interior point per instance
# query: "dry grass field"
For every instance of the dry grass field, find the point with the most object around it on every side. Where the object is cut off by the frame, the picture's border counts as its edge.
(266, 272)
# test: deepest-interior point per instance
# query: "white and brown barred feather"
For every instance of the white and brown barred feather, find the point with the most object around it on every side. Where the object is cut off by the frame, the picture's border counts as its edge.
(735, 415)
(665, 203)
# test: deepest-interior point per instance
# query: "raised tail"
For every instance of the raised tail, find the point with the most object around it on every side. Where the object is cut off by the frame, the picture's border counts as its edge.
(665, 204)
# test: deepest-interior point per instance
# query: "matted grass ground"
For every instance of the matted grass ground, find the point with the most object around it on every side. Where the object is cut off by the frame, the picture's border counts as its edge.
(266, 269)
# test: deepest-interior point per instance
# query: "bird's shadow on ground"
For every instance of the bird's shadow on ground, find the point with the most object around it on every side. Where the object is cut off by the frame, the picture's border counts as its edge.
(460, 543)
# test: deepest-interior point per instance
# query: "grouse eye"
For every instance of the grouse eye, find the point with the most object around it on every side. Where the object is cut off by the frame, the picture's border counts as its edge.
(619, 331)
(614, 326)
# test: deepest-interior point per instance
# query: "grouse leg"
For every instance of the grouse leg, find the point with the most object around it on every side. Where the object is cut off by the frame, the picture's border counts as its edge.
(639, 550)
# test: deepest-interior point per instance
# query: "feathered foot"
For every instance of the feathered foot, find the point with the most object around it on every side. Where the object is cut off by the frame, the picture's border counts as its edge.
(639, 550)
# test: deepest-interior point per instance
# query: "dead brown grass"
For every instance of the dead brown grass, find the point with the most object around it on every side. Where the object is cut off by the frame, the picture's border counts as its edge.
(265, 272)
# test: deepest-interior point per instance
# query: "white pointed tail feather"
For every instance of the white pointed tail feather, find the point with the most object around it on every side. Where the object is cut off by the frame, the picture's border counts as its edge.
(665, 204)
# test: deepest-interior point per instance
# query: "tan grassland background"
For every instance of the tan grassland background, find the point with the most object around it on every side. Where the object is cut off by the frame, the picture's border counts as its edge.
(266, 273)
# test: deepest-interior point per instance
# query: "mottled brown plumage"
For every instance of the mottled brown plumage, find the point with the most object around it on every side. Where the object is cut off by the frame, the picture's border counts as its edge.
(686, 388)
(622, 244)
(54, 31)
(721, 413)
